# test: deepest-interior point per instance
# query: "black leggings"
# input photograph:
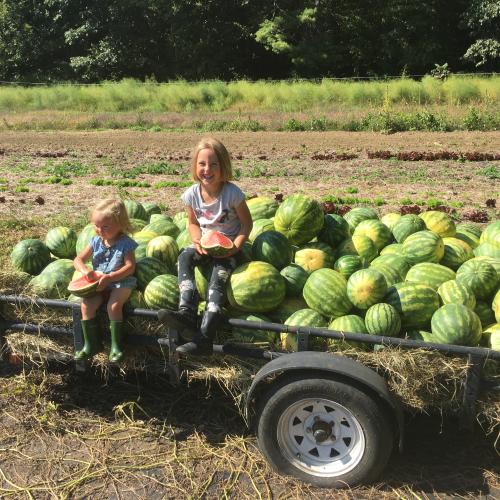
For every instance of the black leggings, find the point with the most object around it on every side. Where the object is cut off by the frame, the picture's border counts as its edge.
(222, 269)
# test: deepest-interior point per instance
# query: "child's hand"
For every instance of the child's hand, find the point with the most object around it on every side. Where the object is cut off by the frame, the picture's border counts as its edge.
(104, 281)
(199, 248)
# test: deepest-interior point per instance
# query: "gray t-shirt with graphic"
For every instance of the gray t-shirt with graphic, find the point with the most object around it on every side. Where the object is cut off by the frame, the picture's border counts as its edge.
(221, 214)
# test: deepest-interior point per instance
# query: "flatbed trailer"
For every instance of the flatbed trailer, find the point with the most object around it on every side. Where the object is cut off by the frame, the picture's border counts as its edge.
(324, 418)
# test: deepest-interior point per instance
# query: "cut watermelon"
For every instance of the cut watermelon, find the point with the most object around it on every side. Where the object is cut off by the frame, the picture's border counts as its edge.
(216, 244)
(83, 287)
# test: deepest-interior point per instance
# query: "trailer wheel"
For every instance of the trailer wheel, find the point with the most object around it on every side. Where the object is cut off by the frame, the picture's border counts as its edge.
(327, 432)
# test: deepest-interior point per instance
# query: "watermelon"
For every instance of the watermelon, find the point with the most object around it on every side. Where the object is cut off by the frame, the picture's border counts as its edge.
(165, 249)
(358, 214)
(162, 292)
(245, 335)
(439, 222)
(286, 308)
(304, 317)
(415, 303)
(61, 241)
(423, 246)
(495, 305)
(163, 227)
(358, 245)
(83, 287)
(393, 248)
(469, 233)
(30, 256)
(348, 264)
(144, 237)
(295, 277)
(299, 218)
(137, 225)
(157, 217)
(183, 240)
(151, 208)
(259, 226)
(487, 249)
(86, 234)
(181, 220)
(136, 300)
(202, 275)
(421, 335)
(272, 247)
(335, 229)
(491, 234)
(311, 259)
(493, 262)
(408, 224)
(63, 266)
(394, 267)
(390, 220)
(452, 292)
(325, 291)
(366, 287)
(456, 252)
(377, 231)
(262, 207)
(491, 337)
(429, 274)
(350, 323)
(456, 324)
(485, 313)
(140, 251)
(148, 268)
(383, 319)
(216, 244)
(256, 287)
(135, 210)
(479, 276)
(52, 285)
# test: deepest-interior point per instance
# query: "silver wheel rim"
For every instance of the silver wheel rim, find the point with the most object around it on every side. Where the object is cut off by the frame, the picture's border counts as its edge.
(320, 437)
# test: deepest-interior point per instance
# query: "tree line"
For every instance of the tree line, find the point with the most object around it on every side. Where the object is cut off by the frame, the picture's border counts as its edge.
(91, 40)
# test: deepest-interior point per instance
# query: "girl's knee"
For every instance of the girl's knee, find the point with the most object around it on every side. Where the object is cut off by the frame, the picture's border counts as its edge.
(114, 307)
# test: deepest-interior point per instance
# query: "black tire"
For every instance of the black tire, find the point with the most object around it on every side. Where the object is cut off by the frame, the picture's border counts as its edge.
(284, 439)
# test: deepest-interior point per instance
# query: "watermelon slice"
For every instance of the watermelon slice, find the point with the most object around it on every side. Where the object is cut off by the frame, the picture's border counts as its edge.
(83, 287)
(216, 244)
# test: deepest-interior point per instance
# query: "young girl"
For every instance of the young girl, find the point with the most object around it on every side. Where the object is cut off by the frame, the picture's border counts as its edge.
(213, 203)
(113, 263)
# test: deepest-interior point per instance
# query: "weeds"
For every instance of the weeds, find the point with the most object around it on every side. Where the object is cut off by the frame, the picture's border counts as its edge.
(491, 172)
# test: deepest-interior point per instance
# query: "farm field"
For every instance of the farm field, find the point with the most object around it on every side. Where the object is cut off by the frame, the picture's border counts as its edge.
(131, 437)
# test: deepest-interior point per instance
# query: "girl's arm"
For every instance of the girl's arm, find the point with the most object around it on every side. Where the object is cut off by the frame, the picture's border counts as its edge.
(79, 262)
(127, 269)
(194, 230)
(246, 225)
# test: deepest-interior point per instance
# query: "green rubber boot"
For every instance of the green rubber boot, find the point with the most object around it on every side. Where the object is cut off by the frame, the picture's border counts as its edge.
(92, 340)
(116, 329)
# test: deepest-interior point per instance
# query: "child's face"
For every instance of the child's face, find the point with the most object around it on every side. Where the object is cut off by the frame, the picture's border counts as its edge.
(105, 227)
(208, 168)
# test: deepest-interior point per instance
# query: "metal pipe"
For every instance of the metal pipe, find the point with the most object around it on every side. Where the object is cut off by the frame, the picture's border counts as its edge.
(363, 337)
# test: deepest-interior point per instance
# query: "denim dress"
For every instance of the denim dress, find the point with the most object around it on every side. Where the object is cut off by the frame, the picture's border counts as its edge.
(107, 259)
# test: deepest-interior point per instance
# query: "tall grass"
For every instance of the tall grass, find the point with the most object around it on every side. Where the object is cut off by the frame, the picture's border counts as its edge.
(283, 96)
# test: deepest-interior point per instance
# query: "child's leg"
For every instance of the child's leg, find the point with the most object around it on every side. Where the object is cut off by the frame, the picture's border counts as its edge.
(202, 341)
(91, 334)
(185, 319)
(117, 299)
(189, 297)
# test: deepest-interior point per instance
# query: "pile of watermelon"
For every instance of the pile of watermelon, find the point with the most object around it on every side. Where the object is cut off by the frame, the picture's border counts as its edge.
(422, 277)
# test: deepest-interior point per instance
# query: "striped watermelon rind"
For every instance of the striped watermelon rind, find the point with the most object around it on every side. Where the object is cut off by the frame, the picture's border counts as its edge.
(423, 246)
(300, 218)
(148, 268)
(311, 259)
(383, 319)
(348, 264)
(456, 324)
(262, 207)
(247, 336)
(452, 292)
(256, 287)
(61, 241)
(349, 323)
(439, 222)
(430, 274)
(135, 210)
(162, 292)
(165, 249)
(325, 291)
(272, 247)
(358, 214)
(479, 276)
(259, 226)
(304, 317)
(366, 287)
(30, 256)
(335, 229)
(376, 230)
(295, 278)
(407, 225)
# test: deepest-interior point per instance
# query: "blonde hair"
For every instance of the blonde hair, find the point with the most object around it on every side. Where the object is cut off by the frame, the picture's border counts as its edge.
(115, 210)
(222, 155)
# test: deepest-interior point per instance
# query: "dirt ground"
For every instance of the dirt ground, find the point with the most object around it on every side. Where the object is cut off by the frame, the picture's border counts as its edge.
(62, 436)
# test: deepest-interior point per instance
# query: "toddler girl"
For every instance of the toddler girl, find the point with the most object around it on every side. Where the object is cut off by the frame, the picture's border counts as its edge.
(113, 263)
